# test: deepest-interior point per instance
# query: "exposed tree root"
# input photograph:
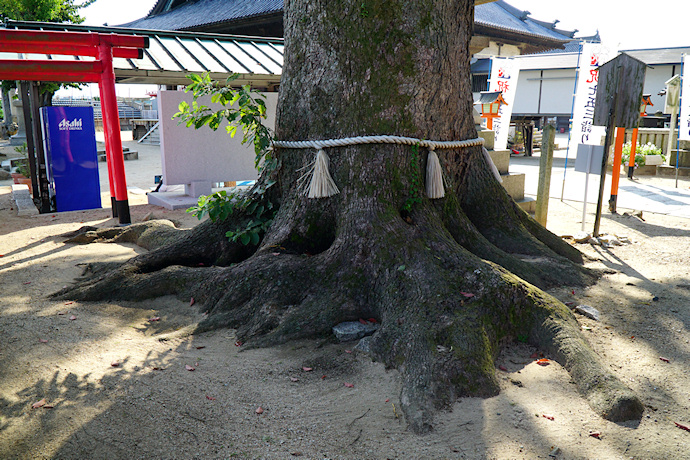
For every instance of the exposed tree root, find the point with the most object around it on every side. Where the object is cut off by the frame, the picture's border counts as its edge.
(443, 311)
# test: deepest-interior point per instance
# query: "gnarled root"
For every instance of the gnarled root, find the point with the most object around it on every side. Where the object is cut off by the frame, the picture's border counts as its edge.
(442, 310)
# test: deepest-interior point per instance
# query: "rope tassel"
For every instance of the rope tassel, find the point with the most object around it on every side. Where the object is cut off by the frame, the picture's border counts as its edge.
(434, 176)
(322, 184)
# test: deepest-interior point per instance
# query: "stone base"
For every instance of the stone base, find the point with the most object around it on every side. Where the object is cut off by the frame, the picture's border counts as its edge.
(172, 200)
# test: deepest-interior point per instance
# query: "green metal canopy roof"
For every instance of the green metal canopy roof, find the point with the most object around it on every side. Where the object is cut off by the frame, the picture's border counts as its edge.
(173, 55)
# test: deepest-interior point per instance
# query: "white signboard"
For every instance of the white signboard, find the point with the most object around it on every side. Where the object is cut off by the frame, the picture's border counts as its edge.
(589, 158)
(503, 78)
(582, 130)
(684, 126)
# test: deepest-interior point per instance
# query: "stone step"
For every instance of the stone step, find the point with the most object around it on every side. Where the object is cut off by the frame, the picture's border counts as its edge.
(501, 159)
(684, 157)
(663, 170)
(514, 183)
(527, 204)
(129, 155)
(23, 201)
(488, 137)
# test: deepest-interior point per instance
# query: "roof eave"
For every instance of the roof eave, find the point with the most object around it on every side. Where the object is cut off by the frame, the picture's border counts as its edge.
(532, 41)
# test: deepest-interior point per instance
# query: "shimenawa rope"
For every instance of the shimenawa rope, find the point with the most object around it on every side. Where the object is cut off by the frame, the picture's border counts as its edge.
(322, 184)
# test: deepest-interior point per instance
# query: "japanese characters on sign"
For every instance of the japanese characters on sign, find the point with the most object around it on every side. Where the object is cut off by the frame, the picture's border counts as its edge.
(582, 129)
(684, 125)
(503, 78)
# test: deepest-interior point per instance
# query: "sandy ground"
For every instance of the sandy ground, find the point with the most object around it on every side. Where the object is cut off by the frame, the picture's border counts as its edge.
(115, 385)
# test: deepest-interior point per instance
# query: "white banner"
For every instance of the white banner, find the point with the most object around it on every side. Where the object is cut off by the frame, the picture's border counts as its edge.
(503, 78)
(684, 125)
(582, 131)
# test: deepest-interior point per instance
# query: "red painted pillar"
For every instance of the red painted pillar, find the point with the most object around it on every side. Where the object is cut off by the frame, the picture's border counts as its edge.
(615, 174)
(113, 142)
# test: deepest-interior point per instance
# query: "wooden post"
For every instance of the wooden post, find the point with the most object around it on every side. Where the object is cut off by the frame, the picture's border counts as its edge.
(545, 165)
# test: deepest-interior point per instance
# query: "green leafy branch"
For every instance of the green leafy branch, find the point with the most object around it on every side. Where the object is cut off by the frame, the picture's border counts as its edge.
(242, 108)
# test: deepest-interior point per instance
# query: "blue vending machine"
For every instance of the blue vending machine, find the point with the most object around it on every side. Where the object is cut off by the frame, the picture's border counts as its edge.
(69, 136)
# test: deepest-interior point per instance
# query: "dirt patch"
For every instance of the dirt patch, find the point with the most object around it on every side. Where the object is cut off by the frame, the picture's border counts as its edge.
(116, 383)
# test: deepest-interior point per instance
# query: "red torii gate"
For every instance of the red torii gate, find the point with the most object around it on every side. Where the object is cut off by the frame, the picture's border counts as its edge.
(101, 46)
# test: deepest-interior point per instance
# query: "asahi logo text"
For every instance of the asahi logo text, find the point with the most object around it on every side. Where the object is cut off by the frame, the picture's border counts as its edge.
(74, 125)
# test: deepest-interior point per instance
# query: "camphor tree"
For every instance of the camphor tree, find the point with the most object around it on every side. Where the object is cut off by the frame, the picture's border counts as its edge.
(449, 280)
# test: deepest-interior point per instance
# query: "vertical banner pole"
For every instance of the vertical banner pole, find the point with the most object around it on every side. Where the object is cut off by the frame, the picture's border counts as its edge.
(572, 111)
(684, 125)
(590, 154)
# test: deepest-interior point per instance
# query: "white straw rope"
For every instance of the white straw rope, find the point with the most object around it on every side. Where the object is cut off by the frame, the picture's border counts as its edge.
(378, 140)
(322, 185)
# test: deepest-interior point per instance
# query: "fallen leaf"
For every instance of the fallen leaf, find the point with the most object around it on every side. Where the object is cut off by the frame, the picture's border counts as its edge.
(49, 406)
(296, 454)
(196, 364)
(43, 402)
(503, 368)
(323, 377)
(259, 410)
(72, 318)
(307, 369)
(467, 294)
(349, 385)
(543, 362)
(387, 400)
(156, 368)
(275, 253)
(60, 313)
(294, 379)
(682, 427)
(372, 320)
(189, 368)
(548, 417)
(115, 364)
(666, 360)
(363, 321)
(27, 282)
(200, 347)
(210, 398)
(191, 301)
(69, 303)
(154, 319)
(43, 340)
(595, 434)
(238, 343)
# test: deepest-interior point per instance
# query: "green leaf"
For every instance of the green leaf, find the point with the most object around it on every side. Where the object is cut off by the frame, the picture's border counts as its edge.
(401, 268)
(254, 238)
(245, 239)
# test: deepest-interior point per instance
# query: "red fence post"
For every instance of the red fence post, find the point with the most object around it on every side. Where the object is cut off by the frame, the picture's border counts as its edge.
(113, 142)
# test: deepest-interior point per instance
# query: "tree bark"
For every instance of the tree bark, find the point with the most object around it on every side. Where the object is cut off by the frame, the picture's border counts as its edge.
(449, 280)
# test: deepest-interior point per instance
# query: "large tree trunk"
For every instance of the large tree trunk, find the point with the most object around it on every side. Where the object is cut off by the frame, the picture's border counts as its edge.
(448, 280)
